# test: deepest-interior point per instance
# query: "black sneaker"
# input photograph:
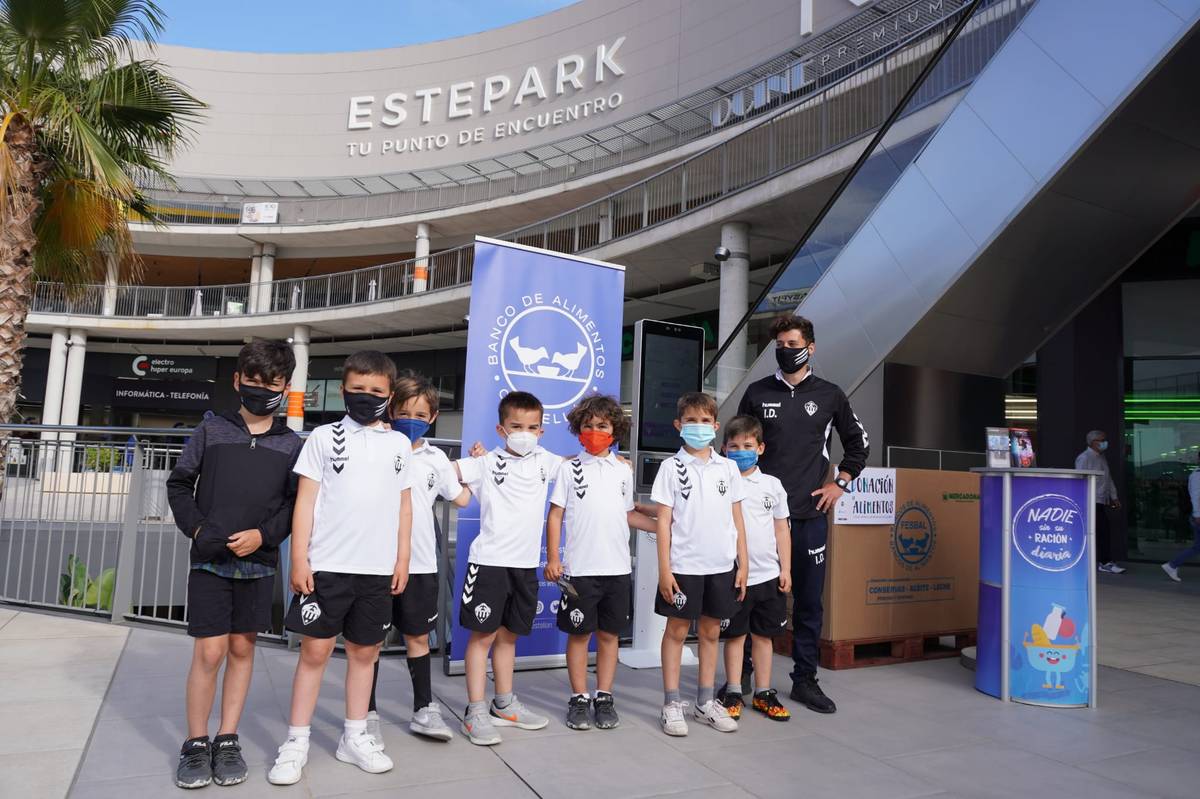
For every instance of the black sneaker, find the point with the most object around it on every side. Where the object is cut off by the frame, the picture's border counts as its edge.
(808, 693)
(606, 712)
(578, 715)
(195, 763)
(228, 766)
(733, 703)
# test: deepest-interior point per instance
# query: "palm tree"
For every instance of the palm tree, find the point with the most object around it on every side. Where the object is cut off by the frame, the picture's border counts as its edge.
(87, 119)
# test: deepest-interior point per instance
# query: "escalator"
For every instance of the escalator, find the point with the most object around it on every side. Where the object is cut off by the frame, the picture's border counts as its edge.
(964, 249)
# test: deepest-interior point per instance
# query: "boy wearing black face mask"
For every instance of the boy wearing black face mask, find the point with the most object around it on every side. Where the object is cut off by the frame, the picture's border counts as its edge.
(232, 492)
(350, 552)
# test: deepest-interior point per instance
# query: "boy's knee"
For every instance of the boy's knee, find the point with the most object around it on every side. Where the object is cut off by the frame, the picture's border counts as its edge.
(484, 640)
(241, 646)
(677, 630)
(362, 654)
(210, 652)
(605, 637)
(315, 651)
(708, 629)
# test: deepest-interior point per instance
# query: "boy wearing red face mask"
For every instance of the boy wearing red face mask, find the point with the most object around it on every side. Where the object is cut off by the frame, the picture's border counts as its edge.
(594, 494)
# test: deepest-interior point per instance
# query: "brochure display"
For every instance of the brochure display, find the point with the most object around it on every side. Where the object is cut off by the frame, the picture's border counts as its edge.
(1037, 581)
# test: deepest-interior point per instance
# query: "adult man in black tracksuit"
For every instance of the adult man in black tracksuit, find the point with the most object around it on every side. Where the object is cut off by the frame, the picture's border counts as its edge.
(799, 411)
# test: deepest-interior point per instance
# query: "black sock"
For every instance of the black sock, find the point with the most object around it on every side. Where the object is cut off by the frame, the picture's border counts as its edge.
(374, 682)
(418, 668)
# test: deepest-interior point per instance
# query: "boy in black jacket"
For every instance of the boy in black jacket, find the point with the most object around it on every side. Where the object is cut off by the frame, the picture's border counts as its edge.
(232, 492)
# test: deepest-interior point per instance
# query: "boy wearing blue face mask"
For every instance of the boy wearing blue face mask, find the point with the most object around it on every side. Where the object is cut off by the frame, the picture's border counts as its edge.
(763, 613)
(702, 558)
(499, 599)
(415, 611)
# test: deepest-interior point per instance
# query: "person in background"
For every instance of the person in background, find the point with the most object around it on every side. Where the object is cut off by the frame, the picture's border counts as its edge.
(1093, 459)
(1172, 566)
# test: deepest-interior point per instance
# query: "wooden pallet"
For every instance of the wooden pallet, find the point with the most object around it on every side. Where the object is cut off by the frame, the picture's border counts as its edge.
(893, 649)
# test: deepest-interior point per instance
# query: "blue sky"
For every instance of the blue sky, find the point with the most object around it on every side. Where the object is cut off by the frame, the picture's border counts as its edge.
(307, 26)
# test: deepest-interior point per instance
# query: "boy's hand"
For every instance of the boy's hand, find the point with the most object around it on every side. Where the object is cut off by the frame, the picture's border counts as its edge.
(667, 587)
(245, 542)
(302, 579)
(554, 570)
(399, 578)
(785, 582)
(478, 450)
(739, 582)
(647, 508)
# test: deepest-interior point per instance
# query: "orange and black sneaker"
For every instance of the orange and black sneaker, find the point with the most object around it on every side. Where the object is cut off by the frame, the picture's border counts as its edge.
(732, 703)
(767, 703)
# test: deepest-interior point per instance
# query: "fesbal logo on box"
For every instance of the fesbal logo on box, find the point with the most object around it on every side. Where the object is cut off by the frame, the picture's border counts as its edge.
(1050, 532)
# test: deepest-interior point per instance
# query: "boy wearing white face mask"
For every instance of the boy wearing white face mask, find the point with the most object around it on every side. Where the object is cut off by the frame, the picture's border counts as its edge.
(499, 599)
(702, 558)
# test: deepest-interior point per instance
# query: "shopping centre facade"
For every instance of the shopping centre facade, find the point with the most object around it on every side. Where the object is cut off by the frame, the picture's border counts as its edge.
(986, 208)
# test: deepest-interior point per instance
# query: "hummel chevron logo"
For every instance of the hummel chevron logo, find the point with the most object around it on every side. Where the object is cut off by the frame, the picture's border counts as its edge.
(469, 585)
(498, 479)
(501, 463)
(337, 467)
(339, 450)
(685, 483)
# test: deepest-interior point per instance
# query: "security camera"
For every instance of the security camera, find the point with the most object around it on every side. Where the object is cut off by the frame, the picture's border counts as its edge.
(722, 254)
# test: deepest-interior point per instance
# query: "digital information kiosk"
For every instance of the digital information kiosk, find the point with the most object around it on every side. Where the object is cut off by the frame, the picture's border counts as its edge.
(668, 361)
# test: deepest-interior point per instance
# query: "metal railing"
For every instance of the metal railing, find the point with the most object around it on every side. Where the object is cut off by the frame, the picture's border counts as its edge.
(805, 69)
(85, 526)
(794, 135)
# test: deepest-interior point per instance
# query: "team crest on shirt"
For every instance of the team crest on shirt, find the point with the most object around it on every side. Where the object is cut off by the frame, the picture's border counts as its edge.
(576, 617)
(810, 407)
(722, 487)
(680, 600)
(542, 474)
(430, 480)
(768, 503)
(398, 463)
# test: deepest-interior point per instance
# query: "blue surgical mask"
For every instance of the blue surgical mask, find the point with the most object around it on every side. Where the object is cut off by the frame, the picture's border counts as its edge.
(1103, 445)
(413, 429)
(697, 435)
(744, 458)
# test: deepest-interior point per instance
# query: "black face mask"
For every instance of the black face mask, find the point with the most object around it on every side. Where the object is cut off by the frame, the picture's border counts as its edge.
(791, 359)
(364, 408)
(259, 401)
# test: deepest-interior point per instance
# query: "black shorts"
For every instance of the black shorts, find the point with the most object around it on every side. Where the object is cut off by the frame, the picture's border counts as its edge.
(498, 595)
(711, 595)
(356, 606)
(763, 612)
(222, 605)
(603, 604)
(415, 611)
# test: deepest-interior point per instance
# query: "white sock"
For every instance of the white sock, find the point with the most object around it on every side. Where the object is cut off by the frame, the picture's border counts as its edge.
(354, 727)
(300, 733)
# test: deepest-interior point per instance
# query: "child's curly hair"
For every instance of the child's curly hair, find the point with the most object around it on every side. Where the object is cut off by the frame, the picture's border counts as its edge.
(600, 405)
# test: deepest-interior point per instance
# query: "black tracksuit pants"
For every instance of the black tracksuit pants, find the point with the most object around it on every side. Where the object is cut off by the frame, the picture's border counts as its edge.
(809, 537)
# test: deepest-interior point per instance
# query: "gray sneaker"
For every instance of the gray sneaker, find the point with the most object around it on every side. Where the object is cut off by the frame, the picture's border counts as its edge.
(477, 726)
(606, 712)
(195, 763)
(228, 765)
(579, 713)
(515, 714)
(428, 722)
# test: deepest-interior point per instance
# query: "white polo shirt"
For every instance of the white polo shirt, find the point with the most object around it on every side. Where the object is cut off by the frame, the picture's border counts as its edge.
(596, 494)
(512, 505)
(362, 472)
(764, 502)
(700, 495)
(432, 476)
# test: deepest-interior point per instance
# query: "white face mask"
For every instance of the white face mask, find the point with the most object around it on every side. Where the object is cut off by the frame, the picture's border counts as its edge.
(521, 442)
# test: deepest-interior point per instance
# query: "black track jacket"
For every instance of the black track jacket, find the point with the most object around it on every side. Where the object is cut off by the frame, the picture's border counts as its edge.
(228, 480)
(797, 428)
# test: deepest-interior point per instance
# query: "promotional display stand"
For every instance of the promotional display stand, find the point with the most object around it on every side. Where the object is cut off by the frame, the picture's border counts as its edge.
(1037, 586)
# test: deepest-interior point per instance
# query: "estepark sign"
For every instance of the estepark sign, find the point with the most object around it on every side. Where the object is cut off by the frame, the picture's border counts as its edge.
(408, 111)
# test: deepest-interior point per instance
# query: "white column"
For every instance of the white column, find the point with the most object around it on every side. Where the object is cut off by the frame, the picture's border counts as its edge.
(112, 275)
(255, 276)
(421, 264)
(266, 273)
(295, 406)
(52, 403)
(73, 383)
(735, 287)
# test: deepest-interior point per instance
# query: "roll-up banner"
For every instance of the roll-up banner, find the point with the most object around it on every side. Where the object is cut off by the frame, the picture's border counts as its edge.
(549, 324)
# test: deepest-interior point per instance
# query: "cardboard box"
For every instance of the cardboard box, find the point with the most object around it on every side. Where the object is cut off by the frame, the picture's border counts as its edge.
(919, 576)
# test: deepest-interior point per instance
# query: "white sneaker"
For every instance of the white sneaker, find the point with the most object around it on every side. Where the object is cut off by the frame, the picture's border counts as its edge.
(1115, 569)
(292, 758)
(1110, 568)
(363, 751)
(1172, 572)
(673, 722)
(714, 714)
(428, 722)
(373, 727)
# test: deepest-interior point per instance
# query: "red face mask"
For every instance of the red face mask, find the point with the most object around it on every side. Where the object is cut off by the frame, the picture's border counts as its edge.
(595, 441)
